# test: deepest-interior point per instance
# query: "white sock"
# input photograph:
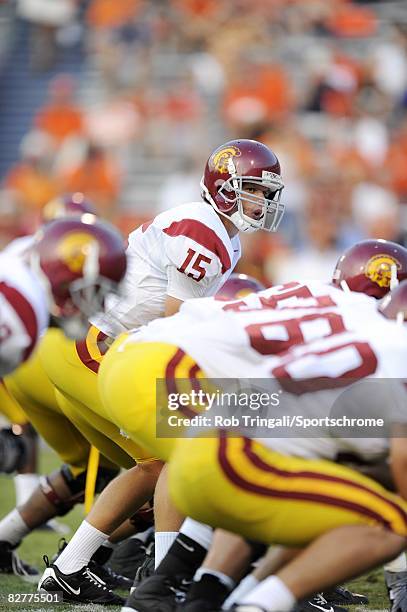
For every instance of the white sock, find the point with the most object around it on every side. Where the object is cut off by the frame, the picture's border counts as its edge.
(13, 528)
(24, 485)
(224, 579)
(80, 549)
(398, 564)
(163, 541)
(199, 532)
(272, 595)
(245, 586)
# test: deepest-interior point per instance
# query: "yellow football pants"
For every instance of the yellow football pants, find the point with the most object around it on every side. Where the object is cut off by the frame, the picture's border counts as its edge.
(242, 486)
(127, 384)
(10, 407)
(32, 389)
(75, 379)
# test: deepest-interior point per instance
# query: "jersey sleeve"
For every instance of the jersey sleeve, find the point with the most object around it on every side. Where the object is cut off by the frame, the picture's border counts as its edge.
(197, 259)
(19, 328)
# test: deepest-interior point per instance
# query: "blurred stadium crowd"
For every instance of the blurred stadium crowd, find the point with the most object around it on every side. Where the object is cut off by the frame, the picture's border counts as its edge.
(324, 83)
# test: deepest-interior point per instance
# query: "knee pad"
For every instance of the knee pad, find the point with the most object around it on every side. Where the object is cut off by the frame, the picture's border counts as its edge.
(13, 450)
(76, 486)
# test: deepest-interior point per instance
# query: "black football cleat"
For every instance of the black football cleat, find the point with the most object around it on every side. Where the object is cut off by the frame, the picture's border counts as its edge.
(318, 602)
(341, 596)
(109, 577)
(10, 563)
(128, 556)
(156, 593)
(82, 586)
(146, 569)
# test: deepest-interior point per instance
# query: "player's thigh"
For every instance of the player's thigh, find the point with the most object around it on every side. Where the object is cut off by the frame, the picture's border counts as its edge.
(68, 372)
(274, 498)
(10, 408)
(31, 387)
(75, 375)
(102, 434)
(128, 382)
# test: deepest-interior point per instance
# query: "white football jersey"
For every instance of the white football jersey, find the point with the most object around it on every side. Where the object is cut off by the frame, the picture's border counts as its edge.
(184, 252)
(294, 332)
(227, 335)
(19, 246)
(23, 312)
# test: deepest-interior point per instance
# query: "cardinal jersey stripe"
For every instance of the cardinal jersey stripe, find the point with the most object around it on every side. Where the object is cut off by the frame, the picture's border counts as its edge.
(303, 486)
(203, 235)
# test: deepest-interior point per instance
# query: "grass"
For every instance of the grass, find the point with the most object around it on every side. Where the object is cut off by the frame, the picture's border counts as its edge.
(39, 543)
(35, 546)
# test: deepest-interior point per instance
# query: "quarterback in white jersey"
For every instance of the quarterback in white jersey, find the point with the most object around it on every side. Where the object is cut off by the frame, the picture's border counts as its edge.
(190, 250)
(183, 253)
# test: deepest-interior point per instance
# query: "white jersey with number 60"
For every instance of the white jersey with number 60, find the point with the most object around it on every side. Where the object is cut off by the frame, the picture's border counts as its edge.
(311, 340)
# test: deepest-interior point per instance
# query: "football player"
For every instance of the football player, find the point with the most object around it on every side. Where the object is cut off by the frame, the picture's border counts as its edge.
(63, 278)
(29, 387)
(354, 523)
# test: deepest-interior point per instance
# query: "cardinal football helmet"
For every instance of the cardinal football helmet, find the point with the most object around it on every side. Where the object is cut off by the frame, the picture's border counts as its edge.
(238, 286)
(79, 263)
(228, 171)
(373, 267)
(394, 304)
(75, 204)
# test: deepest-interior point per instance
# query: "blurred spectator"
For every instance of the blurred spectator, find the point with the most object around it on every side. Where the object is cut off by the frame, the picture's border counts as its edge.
(32, 179)
(323, 83)
(60, 118)
(107, 14)
(256, 93)
(376, 211)
(181, 187)
(112, 124)
(98, 177)
(316, 256)
(45, 16)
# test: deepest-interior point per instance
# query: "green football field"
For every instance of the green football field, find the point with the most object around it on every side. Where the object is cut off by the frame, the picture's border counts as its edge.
(39, 543)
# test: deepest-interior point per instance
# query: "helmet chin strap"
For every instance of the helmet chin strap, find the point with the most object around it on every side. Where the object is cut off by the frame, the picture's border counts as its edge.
(241, 224)
(344, 286)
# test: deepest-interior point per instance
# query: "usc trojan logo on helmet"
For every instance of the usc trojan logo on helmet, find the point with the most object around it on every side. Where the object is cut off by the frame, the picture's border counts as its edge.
(74, 248)
(220, 158)
(54, 209)
(378, 269)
